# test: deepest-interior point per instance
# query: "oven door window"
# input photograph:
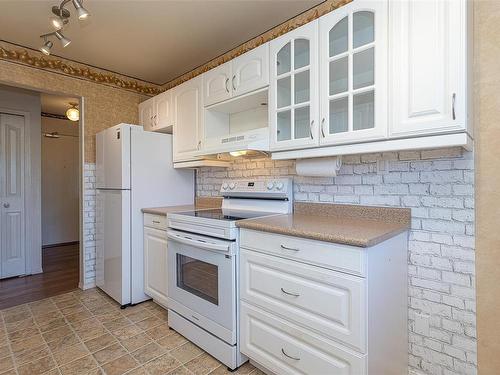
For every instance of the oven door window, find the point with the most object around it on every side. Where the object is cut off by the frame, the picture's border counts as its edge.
(198, 278)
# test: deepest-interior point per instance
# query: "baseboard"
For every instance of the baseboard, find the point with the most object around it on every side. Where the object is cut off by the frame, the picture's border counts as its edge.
(60, 244)
(85, 286)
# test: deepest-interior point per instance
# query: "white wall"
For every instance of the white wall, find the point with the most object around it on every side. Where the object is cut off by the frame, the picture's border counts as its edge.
(60, 169)
(29, 101)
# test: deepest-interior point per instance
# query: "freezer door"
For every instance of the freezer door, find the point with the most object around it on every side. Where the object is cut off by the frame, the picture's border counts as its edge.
(113, 249)
(113, 158)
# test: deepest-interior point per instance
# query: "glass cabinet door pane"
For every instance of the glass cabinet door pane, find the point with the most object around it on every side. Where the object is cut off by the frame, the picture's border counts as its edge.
(338, 76)
(363, 116)
(301, 123)
(363, 68)
(283, 60)
(301, 87)
(301, 53)
(338, 38)
(284, 92)
(362, 28)
(339, 115)
(284, 121)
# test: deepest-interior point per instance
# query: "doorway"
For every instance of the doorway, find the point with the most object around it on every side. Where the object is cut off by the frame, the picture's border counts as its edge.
(40, 176)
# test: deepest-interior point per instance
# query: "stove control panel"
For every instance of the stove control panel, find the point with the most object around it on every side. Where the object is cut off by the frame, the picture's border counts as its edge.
(272, 186)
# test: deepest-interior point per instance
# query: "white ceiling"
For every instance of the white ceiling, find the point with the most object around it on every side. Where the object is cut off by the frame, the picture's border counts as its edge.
(155, 41)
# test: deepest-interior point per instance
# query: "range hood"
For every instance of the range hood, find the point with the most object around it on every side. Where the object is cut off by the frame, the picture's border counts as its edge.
(250, 140)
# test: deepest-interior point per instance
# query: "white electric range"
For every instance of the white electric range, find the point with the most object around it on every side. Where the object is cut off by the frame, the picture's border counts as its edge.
(203, 254)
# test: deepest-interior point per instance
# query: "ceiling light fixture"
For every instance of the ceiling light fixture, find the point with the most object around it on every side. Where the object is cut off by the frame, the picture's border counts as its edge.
(59, 20)
(73, 114)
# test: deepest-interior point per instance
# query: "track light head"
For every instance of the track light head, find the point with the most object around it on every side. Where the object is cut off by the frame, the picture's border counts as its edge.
(57, 22)
(64, 41)
(80, 10)
(46, 47)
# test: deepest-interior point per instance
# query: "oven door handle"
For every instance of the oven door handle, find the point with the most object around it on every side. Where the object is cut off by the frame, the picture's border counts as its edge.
(198, 243)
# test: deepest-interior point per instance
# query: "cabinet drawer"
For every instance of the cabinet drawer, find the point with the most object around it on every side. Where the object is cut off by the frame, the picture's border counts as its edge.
(285, 348)
(344, 258)
(328, 302)
(155, 221)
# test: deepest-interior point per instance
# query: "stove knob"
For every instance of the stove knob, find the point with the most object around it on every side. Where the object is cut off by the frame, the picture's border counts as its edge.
(232, 185)
(270, 185)
(225, 186)
(280, 186)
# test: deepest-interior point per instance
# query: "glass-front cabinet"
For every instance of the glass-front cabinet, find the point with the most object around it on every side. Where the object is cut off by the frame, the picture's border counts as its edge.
(293, 91)
(353, 73)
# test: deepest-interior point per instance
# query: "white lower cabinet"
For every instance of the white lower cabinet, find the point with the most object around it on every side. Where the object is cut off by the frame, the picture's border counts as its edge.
(155, 259)
(303, 314)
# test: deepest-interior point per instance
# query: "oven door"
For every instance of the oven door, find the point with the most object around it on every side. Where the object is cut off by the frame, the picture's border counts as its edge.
(202, 282)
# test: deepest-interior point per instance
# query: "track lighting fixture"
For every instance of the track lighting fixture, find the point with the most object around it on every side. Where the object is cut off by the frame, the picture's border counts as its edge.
(59, 20)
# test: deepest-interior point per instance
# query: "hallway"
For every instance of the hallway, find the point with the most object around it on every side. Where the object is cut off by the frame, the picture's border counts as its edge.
(60, 266)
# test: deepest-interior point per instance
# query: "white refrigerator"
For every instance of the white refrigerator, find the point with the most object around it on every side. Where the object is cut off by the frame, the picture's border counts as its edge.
(134, 170)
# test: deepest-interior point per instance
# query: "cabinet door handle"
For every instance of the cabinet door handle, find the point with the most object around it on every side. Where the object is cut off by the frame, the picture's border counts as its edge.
(289, 356)
(323, 127)
(156, 222)
(289, 248)
(310, 129)
(227, 85)
(234, 78)
(289, 293)
(199, 145)
(453, 98)
(6, 205)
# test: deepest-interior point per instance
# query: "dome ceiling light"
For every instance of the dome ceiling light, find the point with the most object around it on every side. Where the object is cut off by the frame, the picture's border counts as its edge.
(59, 21)
(73, 114)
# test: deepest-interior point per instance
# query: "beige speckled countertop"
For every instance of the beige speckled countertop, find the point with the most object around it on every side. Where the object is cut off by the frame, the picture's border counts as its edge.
(345, 224)
(201, 203)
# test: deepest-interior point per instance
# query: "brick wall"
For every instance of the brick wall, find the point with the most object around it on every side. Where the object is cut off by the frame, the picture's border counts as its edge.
(89, 226)
(438, 185)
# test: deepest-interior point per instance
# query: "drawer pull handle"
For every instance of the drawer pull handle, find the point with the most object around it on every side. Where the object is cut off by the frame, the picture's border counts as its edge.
(289, 248)
(290, 294)
(289, 356)
(156, 222)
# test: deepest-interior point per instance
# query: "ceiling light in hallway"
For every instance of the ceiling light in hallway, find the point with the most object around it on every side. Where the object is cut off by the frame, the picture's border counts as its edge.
(73, 114)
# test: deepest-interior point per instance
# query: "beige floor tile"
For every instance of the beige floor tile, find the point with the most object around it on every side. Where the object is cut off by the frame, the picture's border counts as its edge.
(148, 352)
(57, 333)
(244, 369)
(42, 307)
(23, 333)
(186, 352)
(4, 351)
(138, 371)
(67, 303)
(28, 344)
(117, 323)
(135, 342)
(120, 365)
(160, 331)
(31, 355)
(63, 342)
(106, 316)
(181, 370)
(19, 325)
(16, 316)
(126, 332)
(75, 309)
(203, 364)
(81, 366)
(162, 365)
(6, 363)
(53, 324)
(72, 318)
(100, 342)
(149, 323)
(38, 366)
(138, 315)
(70, 353)
(48, 316)
(89, 328)
(8, 372)
(109, 353)
(172, 341)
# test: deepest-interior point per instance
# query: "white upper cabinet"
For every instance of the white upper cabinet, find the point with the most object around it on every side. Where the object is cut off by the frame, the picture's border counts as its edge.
(187, 99)
(250, 70)
(353, 73)
(146, 110)
(241, 75)
(293, 89)
(428, 57)
(163, 111)
(217, 84)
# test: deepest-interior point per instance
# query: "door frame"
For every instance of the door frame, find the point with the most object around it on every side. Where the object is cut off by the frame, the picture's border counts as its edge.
(81, 176)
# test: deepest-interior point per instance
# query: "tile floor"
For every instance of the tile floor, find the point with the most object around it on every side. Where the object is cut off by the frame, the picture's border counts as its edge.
(85, 332)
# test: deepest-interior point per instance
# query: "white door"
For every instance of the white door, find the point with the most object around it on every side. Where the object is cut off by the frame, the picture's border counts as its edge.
(428, 57)
(12, 217)
(353, 73)
(113, 250)
(217, 84)
(155, 265)
(293, 89)
(250, 70)
(188, 130)
(163, 115)
(146, 114)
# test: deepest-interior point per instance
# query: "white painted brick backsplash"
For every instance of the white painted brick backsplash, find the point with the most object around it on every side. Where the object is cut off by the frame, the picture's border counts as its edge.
(89, 246)
(438, 186)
